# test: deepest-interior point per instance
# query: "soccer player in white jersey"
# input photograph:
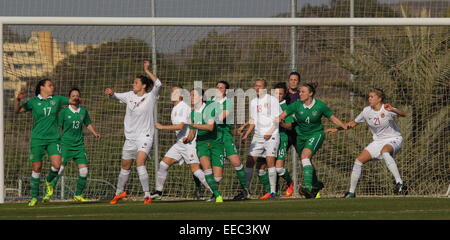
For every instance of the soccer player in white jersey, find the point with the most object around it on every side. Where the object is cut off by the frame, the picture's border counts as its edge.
(264, 112)
(179, 152)
(387, 139)
(139, 129)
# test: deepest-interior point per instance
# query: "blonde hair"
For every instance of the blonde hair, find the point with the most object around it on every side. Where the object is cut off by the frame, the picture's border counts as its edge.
(379, 93)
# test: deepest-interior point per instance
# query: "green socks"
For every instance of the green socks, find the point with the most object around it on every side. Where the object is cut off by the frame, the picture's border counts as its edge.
(241, 175)
(308, 172)
(51, 175)
(35, 187)
(81, 184)
(287, 177)
(264, 180)
(212, 184)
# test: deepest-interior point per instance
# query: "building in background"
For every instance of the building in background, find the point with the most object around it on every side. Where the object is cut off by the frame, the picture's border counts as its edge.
(25, 63)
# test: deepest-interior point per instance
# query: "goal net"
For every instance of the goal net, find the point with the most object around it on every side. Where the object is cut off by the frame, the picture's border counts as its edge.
(411, 64)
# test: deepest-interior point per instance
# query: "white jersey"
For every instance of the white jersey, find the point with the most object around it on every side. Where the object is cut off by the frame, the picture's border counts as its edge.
(139, 120)
(181, 114)
(381, 123)
(263, 112)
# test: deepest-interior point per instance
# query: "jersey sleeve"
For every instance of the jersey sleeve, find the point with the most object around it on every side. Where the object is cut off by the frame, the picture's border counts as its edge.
(63, 100)
(87, 119)
(122, 97)
(291, 108)
(61, 118)
(156, 87)
(360, 118)
(27, 105)
(327, 112)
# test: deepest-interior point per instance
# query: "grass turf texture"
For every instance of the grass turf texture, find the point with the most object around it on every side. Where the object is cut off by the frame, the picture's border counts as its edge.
(279, 209)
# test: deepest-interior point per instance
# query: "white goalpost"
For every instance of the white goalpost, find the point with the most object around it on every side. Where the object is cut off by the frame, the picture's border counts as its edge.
(331, 167)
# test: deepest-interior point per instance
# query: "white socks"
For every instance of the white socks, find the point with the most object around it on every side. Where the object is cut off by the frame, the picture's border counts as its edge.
(392, 166)
(356, 173)
(201, 176)
(143, 178)
(122, 180)
(272, 179)
(161, 176)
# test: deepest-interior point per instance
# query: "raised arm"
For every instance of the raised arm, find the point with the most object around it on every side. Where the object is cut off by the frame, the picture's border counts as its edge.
(148, 72)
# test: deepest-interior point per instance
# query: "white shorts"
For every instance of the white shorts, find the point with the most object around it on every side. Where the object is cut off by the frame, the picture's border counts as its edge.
(374, 148)
(264, 148)
(183, 153)
(131, 147)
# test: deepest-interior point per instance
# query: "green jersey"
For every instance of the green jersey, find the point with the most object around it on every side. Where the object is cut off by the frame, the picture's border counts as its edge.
(224, 104)
(288, 119)
(44, 113)
(309, 118)
(202, 116)
(72, 123)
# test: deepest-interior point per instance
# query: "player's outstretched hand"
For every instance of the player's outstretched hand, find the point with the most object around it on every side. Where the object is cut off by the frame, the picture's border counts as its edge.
(331, 130)
(388, 107)
(97, 136)
(158, 126)
(109, 91)
(146, 66)
(21, 95)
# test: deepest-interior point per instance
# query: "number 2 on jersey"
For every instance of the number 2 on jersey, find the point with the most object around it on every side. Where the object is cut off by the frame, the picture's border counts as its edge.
(376, 121)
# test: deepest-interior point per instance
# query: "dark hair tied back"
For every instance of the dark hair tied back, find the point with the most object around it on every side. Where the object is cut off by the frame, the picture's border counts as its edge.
(145, 80)
(41, 83)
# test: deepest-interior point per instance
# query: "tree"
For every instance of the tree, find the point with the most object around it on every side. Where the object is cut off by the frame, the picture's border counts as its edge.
(212, 57)
(267, 58)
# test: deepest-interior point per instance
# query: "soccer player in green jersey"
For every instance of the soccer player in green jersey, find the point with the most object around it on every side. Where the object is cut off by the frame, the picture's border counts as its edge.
(71, 120)
(44, 134)
(209, 142)
(308, 113)
(285, 144)
(225, 109)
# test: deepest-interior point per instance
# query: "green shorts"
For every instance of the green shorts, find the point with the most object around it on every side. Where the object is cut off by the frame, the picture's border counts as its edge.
(79, 154)
(230, 147)
(39, 148)
(213, 150)
(283, 147)
(312, 142)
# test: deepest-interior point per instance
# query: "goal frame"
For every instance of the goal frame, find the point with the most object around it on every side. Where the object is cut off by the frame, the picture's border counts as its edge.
(162, 21)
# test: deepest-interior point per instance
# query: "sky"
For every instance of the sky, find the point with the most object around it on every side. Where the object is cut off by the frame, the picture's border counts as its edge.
(142, 8)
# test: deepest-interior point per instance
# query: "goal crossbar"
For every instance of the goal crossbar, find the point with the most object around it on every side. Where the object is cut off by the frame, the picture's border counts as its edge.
(163, 21)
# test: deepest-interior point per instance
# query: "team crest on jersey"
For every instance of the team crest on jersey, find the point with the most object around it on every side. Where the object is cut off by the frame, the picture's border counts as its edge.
(69, 117)
(382, 115)
(39, 104)
(52, 102)
(81, 117)
(315, 113)
(266, 105)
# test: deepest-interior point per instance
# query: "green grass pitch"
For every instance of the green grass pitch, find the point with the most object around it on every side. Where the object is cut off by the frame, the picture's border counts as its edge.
(399, 208)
